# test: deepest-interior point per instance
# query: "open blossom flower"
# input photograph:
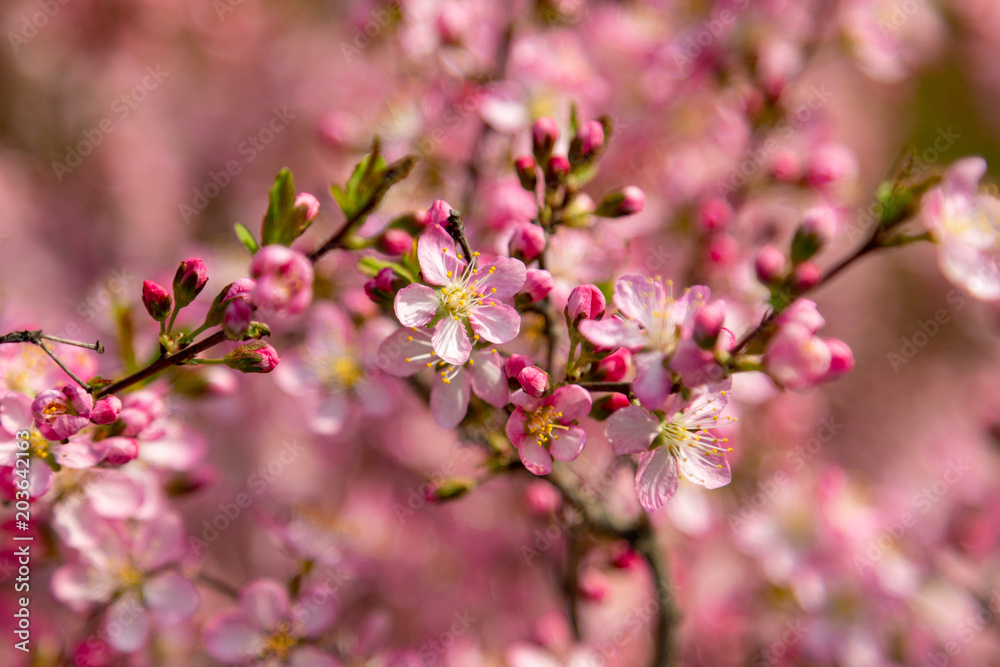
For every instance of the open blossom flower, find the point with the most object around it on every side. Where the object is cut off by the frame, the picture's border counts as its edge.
(466, 295)
(126, 569)
(545, 428)
(284, 280)
(16, 416)
(966, 222)
(268, 628)
(675, 441)
(650, 321)
(407, 351)
(59, 413)
(328, 372)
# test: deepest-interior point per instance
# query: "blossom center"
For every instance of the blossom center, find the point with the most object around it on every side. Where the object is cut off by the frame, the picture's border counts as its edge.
(281, 643)
(541, 423)
(341, 371)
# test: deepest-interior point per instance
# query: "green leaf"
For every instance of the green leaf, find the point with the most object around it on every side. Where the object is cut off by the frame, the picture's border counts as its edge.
(246, 238)
(276, 227)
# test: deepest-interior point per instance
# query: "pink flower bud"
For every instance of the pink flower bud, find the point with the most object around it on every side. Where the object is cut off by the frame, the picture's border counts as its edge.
(240, 289)
(515, 365)
(307, 204)
(841, 359)
(380, 289)
(785, 166)
(820, 222)
(830, 164)
(624, 556)
(284, 280)
(591, 137)
(796, 358)
(438, 213)
(236, 319)
(527, 172)
(606, 406)
(558, 167)
(156, 300)
(120, 450)
(708, 324)
(537, 284)
(613, 367)
(806, 276)
(627, 201)
(715, 214)
(254, 357)
(802, 312)
(586, 302)
(60, 413)
(394, 242)
(106, 410)
(534, 381)
(544, 135)
(527, 242)
(189, 280)
(723, 249)
(593, 586)
(771, 265)
(542, 498)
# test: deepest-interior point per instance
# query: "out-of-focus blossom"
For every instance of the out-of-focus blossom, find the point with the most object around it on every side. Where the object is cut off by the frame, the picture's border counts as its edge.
(268, 626)
(284, 280)
(966, 224)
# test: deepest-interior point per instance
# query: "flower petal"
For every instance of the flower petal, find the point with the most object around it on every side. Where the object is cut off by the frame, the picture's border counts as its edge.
(515, 427)
(708, 470)
(331, 413)
(612, 332)
(128, 618)
(656, 479)
(488, 379)
(451, 341)
(171, 597)
(567, 445)
(502, 278)
(652, 382)
(436, 254)
(228, 637)
(638, 297)
(535, 457)
(264, 603)
(311, 656)
(416, 305)
(315, 610)
(450, 400)
(498, 323)
(404, 352)
(573, 401)
(632, 430)
(15, 413)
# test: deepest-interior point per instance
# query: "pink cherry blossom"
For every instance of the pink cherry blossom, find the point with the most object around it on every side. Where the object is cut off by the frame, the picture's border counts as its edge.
(409, 351)
(674, 442)
(966, 224)
(465, 295)
(284, 280)
(649, 321)
(129, 569)
(268, 626)
(59, 413)
(545, 428)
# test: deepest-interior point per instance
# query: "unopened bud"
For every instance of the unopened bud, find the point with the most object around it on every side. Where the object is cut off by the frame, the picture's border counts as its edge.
(105, 410)
(771, 265)
(236, 320)
(534, 381)
(394, 242)
(189, 281)
(255, 357)
(708, 324)
(527, 242)
(544, 135)
(805, 277)
(537, 285)
(586, 302)
(627, 201)
(156, 300)
(527, 172)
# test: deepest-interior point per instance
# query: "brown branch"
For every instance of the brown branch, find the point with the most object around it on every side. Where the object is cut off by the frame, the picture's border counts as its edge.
(163, 363)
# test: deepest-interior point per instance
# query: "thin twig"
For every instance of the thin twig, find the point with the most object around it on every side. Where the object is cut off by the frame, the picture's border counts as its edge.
(63, 366)
(163, 363)
(218, 585)
(96, 347)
